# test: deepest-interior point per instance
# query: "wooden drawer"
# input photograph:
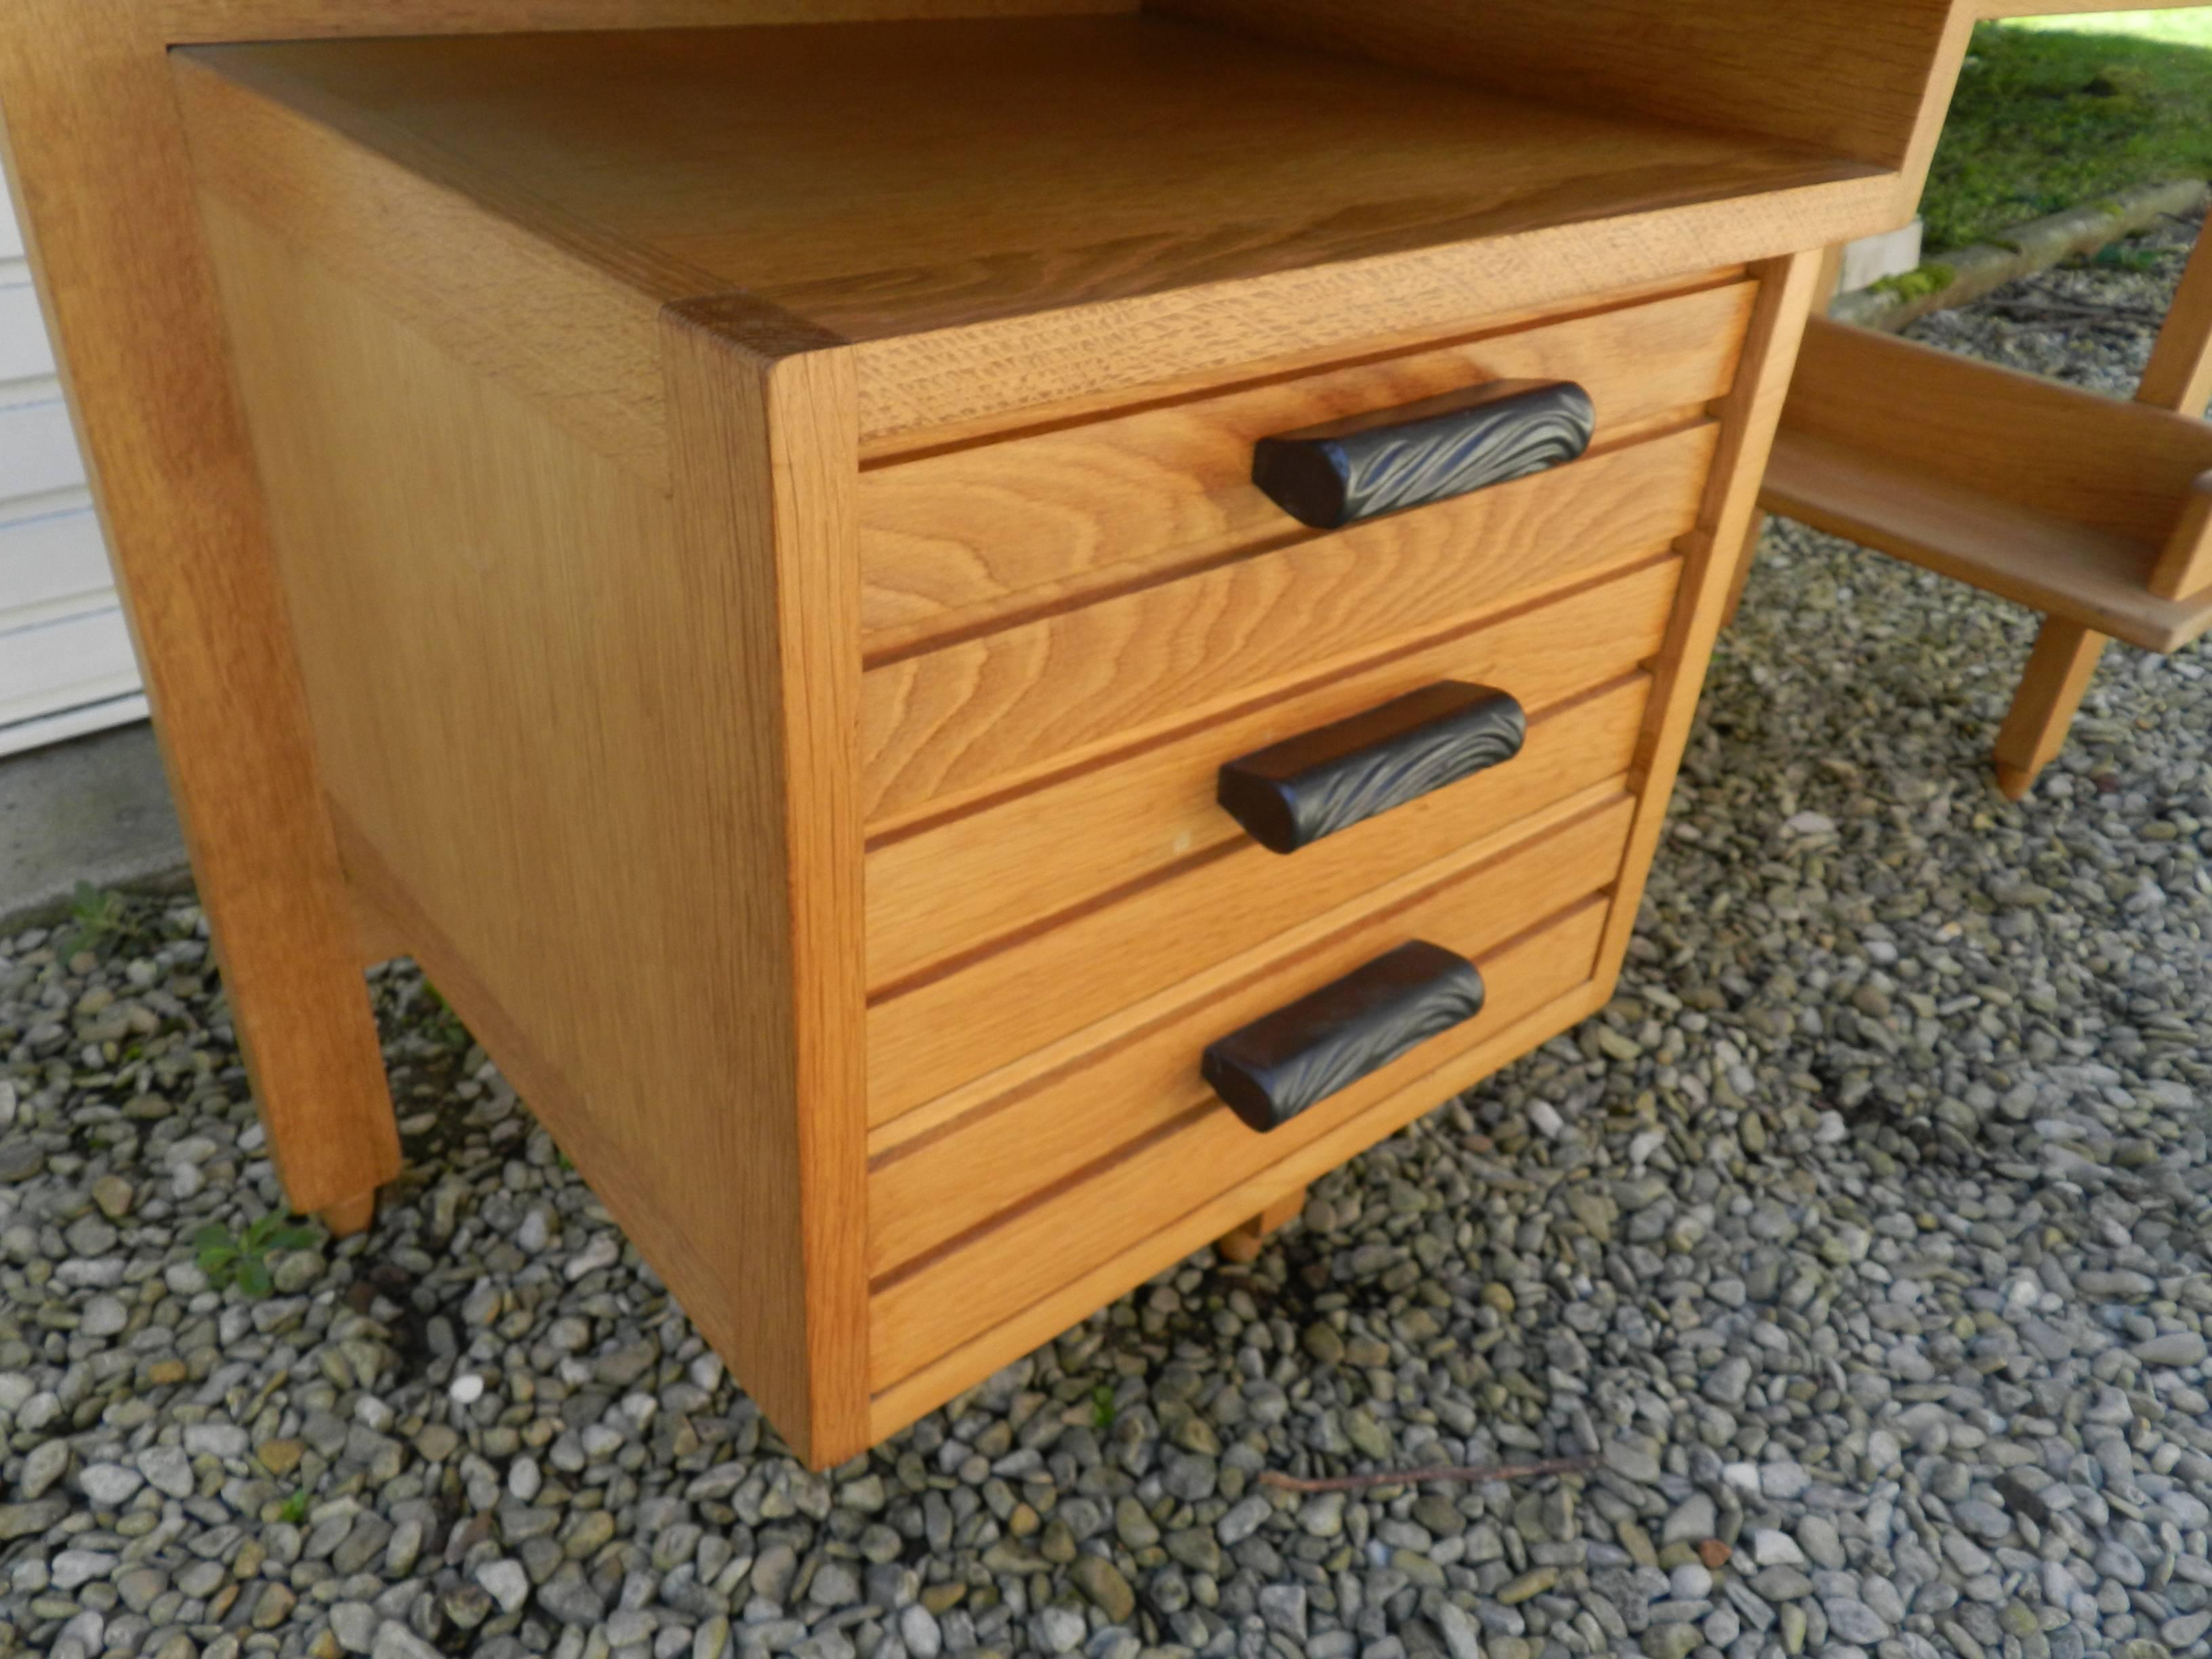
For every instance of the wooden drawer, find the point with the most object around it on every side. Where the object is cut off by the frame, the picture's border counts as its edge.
(954, 888)
(963, 722)
(974, 537)
(1083, 1161)
(965, 1025)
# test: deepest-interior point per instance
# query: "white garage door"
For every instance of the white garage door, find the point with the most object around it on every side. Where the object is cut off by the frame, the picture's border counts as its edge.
(65, 663)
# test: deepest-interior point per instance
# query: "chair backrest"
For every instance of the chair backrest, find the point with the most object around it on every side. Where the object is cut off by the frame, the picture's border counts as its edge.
(2111, 464)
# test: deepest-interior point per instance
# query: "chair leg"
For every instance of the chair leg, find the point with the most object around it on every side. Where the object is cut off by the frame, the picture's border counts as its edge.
(1751, 532)
(1242, 1244)
(2058, 671)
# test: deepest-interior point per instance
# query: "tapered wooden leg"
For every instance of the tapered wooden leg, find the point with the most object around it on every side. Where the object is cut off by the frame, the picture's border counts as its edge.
(103, 178)
(349, 1216)
(2058, 671)
(1751, 532)
(1242, 1243)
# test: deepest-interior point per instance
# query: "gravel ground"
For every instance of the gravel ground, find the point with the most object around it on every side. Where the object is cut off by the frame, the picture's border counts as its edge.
(1862, 1240)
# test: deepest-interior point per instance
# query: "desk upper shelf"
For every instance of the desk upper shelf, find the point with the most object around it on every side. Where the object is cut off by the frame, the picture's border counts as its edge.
(1173, 193)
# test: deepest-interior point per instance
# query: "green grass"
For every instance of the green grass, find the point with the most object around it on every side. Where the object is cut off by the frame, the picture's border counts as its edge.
(2068, 111)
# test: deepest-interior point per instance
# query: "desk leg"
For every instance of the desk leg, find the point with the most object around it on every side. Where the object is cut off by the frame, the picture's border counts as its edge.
(2058, 670)
(98, 156)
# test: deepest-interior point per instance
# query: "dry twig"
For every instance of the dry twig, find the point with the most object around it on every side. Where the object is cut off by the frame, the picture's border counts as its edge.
(1476, 1473)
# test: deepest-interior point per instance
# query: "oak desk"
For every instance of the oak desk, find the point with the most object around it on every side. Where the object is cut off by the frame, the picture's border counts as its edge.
(975, 636)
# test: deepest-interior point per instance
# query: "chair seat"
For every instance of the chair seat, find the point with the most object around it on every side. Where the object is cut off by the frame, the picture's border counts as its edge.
(2050, 565)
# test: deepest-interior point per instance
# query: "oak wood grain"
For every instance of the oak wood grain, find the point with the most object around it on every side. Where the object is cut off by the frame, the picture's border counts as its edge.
(2092, 577)
(1749, 417)
(943, 1031)
(479, 671)
(959, 540)
(96, 162)
(981, 715)
(940, 1302)
(2111, 464)
(947, 890)
(1546, 960)
(1115, 1085)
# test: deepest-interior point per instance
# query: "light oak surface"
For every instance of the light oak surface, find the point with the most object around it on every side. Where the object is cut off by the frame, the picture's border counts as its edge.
(951, 1297)
(960, 541)
(982, 715)
(934, 1034)
(948, 890)
(1543, 988)
(534, 611)
(1748, 418)
(98, 169)
(922, 176)
(439, 539)
(2058, 671)
(2091, 576)
(1139, 1074)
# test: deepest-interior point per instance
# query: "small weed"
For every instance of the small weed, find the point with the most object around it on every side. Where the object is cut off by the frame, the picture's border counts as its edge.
(444, 1025)
(243, 1259)
(97, 919)
(1922, 280)
(2118, 256)
(293, 1510)
(1102, 1407)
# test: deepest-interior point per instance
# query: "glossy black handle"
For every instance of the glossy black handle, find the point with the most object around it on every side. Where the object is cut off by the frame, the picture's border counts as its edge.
(1330, 778)
(1272, 1069)
(1345, 471)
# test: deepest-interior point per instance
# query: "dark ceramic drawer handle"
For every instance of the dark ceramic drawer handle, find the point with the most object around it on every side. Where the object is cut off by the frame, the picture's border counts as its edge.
(1272, 1069)
(1342, 471)
(1330, 778)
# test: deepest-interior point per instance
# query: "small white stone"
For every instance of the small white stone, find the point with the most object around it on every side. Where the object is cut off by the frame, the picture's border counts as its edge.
(1740, 1477)
(1775, 1549)
(1690, 1582)
(466, 1389)
(1544, 1118)
(506, 1581)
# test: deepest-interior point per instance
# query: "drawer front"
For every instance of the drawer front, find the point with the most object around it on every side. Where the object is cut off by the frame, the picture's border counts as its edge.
(962, 1028)
(956, 542)
(956, 888)
(951, 728)
(938, 1302)
(1129, 1078)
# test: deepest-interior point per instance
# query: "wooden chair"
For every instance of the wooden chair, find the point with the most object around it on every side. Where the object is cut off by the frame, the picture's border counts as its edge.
(2096, 512)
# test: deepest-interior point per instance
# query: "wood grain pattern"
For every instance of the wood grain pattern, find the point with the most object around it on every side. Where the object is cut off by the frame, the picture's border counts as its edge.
(2179, 375)
(954, 541)
(209, 21)
(981, 715)
(951, 1297)
(1838, 75)
(96, 163)
(1749, 417)
(2092, 577)
(936, 1035)
(1299, 791)
(1297, 1056)
(1362, 466)
(2184, 563)
(460, 701)
(2058, 671)
(1545, 960)
(1244, 1241)
(943, 891)
(2111, 464)
(1129, 1077)
(563, 319)
(1321, 201)
(1038, 190)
